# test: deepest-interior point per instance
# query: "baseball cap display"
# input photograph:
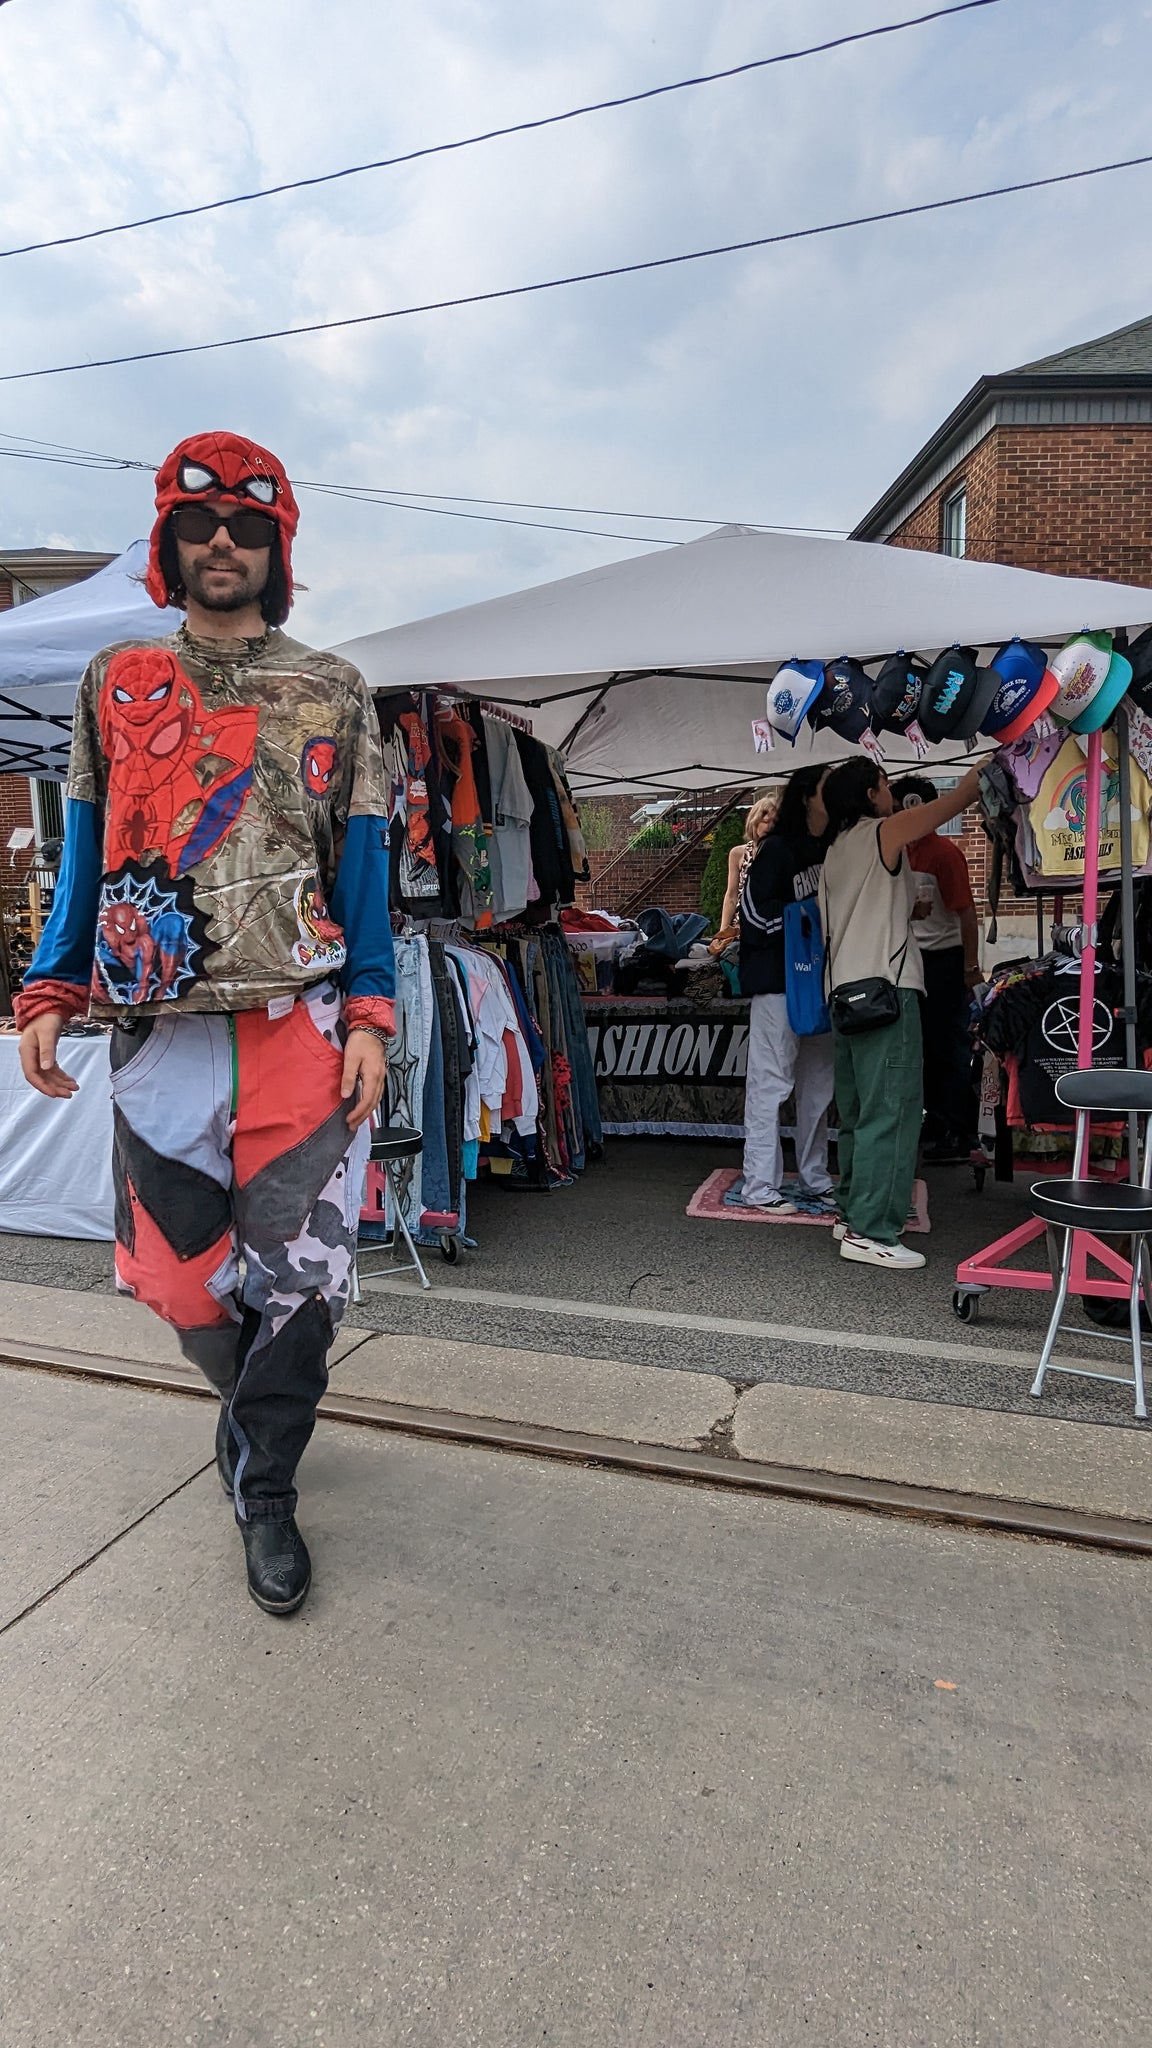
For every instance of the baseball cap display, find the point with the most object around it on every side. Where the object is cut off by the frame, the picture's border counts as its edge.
(988, 685)
(895, 694)
(845, 700)
(1025, 690)
(791, 695)
(949, 688)
(1107, 697)
(1080, 669)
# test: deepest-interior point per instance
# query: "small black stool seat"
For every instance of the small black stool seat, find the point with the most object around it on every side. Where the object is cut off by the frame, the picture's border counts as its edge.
(396, 1141)
(1098, 1205)
(391, 1145)
(1101, 1208)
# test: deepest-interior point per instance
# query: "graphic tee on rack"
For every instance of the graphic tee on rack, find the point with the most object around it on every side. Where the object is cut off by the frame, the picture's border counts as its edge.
(1057, 815)
(226, 837)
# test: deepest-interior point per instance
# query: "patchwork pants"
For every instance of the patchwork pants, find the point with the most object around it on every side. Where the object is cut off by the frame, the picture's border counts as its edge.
(238, 1188)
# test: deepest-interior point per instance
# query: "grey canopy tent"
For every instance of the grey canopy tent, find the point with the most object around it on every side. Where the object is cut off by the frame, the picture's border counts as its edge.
(648, 673)
(45, 647)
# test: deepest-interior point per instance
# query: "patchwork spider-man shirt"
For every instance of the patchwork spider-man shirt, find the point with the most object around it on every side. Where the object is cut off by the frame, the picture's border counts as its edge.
(226, 836)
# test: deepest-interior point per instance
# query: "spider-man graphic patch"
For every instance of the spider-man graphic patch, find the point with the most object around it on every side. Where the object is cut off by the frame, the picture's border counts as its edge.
(318, 767)
(150, 937)
(178, 774)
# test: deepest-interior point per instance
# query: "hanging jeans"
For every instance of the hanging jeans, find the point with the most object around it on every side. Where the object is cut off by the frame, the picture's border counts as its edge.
(231, 1144)
(879, 1097)
(781, 1064)
(408, 1064)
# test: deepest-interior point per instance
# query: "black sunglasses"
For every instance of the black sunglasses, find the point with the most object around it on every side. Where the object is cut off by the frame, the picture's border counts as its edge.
(198, 523)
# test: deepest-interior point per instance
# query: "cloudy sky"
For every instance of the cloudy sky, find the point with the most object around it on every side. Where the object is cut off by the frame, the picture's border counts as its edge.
(778, 386)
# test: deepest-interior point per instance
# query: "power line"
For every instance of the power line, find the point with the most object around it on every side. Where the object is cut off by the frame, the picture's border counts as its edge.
(397, 497)
(551, 284)
(496, 134)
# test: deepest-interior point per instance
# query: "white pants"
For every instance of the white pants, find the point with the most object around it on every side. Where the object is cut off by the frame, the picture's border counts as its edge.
(779, 1062)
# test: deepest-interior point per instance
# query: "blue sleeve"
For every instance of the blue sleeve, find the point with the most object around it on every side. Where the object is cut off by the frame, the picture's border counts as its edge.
(68, 942)
(360, 905)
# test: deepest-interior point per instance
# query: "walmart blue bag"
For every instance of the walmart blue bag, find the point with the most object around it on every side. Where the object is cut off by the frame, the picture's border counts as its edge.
(804, 969)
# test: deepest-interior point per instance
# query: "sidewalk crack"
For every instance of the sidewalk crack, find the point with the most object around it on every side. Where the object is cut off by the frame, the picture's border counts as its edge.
(15, 1619)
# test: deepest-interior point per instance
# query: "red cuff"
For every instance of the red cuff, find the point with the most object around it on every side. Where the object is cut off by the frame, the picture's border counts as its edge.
(39, 997)
(377, 1011)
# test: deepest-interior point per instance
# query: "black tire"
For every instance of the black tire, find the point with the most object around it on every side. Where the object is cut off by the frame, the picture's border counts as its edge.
(965, 1307)
(449, 1250)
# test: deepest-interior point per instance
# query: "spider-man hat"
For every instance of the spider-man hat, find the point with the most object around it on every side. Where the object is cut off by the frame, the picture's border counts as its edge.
(226, 466)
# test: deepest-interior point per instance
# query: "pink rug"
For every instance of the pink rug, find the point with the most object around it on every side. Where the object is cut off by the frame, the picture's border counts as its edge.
(708, 1202)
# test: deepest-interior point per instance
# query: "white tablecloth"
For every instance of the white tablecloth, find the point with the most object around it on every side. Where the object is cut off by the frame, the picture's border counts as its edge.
(56, 1157)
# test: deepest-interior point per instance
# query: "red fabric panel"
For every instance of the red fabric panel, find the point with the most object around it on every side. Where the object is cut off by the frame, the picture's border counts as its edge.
(289, 1084)
(175, 1288)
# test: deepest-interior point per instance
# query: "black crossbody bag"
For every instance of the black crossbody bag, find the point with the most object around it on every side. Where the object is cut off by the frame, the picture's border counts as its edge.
(858, 1006)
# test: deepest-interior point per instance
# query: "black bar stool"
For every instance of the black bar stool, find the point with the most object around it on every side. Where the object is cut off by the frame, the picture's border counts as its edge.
(391, 1144)
(1105, 1208)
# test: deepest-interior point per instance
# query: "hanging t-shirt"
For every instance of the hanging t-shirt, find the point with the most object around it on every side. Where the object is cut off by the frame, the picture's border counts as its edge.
(1057, 815)
(511, 822)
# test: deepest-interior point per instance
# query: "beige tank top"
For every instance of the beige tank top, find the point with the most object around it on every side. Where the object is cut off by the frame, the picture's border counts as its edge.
(866, 912)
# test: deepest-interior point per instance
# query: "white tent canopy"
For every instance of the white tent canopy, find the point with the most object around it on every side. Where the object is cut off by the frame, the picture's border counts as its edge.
(649, 672)
(46, 645)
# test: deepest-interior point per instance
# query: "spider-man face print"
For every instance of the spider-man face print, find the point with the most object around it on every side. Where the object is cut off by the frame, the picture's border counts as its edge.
(144, 708)
(318, 767)
(178, 774)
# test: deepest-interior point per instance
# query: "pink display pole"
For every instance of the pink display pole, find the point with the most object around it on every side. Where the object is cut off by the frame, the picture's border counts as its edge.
(1093, 776)
(985, 1268)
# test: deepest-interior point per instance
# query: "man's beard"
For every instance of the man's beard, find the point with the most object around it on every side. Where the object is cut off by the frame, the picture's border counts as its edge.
(242, 589)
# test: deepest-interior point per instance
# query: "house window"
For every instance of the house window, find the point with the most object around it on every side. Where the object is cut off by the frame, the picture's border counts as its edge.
(954, 525)
(48, 810)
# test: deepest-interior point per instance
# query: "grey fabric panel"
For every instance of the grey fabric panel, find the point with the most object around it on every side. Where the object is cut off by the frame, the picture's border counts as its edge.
(274, 1206)
(176, 1093)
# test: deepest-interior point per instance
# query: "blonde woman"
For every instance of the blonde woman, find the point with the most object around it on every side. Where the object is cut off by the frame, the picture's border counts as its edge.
(756, 824)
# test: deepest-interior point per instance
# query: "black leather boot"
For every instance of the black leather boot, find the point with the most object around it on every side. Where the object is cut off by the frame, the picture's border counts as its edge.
(279, 1567)
(225, 1453)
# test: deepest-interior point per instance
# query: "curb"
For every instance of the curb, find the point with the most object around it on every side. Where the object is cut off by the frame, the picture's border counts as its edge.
(655, 1461)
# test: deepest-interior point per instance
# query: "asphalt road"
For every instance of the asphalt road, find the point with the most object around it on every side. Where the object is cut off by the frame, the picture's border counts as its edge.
(552, 1756)
(621, 1237)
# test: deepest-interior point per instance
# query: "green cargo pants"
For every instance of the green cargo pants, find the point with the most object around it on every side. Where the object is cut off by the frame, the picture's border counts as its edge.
(879, 1100)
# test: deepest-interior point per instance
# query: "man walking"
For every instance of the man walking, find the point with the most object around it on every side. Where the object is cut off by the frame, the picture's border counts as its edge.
(223, 898)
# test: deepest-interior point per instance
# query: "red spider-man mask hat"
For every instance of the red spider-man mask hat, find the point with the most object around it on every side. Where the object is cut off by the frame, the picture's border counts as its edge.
(224, 466)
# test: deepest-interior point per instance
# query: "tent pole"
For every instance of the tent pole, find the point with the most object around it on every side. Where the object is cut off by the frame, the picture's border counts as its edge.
(1128, 924)
(1092, 779)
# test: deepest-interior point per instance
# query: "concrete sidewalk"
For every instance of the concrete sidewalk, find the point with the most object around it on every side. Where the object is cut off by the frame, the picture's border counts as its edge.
(550, 1756)
(586, 1405)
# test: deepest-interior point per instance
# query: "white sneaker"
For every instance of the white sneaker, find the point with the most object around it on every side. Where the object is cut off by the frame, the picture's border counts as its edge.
(780, 1206)
(867, 1252)
(840, 1231)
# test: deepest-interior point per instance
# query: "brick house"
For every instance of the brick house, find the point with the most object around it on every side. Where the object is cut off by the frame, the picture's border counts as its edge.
(1049, 467)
